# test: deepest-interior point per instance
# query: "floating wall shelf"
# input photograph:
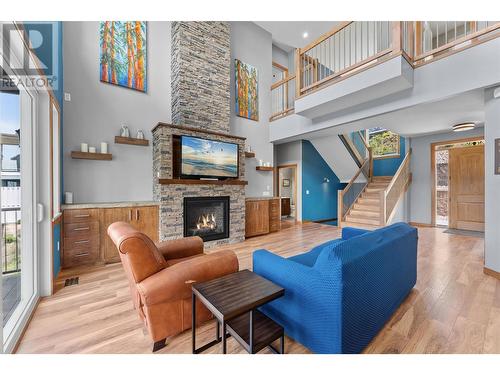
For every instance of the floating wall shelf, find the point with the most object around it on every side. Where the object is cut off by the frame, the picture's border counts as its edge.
(90, 155)
(131, 141)
(267, 169)
(249, 154)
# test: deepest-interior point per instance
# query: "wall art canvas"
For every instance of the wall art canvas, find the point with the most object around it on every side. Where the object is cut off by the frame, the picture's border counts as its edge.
(247, 93)
(123, 54)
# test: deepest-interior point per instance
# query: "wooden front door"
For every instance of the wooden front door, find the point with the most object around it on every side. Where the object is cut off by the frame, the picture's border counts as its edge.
(466, 188)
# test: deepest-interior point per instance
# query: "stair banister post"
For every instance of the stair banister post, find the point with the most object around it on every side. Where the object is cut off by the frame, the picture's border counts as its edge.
(298, 75)
(382, 207)
(339, 208)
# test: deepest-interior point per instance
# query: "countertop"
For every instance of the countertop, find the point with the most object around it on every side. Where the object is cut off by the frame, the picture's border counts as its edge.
(79, 206)
(260, 198)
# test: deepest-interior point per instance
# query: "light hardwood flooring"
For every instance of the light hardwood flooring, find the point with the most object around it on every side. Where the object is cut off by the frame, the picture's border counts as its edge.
(454, 308)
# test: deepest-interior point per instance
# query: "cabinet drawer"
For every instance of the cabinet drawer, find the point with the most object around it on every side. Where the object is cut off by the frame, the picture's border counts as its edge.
(77, 258)
(80, 216)
(81, 230)
(72, 244)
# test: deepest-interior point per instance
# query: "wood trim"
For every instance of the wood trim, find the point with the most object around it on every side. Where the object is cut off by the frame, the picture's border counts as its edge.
(433, 169)
(298, 71)
(490, 272)
(295, 178)
(263, 168)
(396, 36)
(325, 36)
(282, 82)
(178, 181)
(418, 39)
(422, 225)
(280, 67)
(391, 156)
(192, 128)
(282, 114)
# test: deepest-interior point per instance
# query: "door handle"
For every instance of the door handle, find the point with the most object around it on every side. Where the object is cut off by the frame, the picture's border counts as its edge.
(84, 241)
(79, 229)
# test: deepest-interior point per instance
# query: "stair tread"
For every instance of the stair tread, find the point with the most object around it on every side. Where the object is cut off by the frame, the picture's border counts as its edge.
(367, 214)
(359, 225)
(362, 220)
(366, 207)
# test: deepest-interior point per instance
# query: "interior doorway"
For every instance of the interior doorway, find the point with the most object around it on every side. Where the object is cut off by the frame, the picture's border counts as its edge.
(458, 184)
(287, 191)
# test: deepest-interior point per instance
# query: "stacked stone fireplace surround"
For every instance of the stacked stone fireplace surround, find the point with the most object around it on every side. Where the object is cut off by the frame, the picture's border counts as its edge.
(201, 108)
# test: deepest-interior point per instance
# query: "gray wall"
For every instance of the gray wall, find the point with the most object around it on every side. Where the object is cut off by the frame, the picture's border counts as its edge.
(420, 188)
(253, 45)
(291, 153)
(280, 56)
(492, 184)
(97, 110)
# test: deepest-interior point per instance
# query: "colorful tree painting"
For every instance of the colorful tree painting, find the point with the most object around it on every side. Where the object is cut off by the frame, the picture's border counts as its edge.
(123, 53)
(247, 93)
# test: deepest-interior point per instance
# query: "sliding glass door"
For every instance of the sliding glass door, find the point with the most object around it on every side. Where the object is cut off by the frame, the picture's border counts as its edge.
(18, 257)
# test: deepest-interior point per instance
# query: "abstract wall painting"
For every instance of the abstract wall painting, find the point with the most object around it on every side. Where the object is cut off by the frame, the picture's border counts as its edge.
(247, 94)
(123, 54)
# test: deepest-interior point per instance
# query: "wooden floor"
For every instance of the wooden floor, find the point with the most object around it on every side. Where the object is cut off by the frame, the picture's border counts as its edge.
(454, 308)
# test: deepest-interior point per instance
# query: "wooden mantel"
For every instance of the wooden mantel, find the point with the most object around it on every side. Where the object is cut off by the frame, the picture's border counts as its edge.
(179, 181)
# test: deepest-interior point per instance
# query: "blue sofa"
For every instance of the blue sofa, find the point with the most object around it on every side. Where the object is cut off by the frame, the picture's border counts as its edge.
(341, 293)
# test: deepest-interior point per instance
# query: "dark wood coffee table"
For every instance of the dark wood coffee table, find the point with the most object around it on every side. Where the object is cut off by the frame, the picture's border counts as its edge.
(233, 300)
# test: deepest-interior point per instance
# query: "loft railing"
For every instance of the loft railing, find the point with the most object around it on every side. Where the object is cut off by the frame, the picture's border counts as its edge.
(282, 97)
(348, 196)
(438, 39)
(352, 47)
(395, 190)
(11, 238)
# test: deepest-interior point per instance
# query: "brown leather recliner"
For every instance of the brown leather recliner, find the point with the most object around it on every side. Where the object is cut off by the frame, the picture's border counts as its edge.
(160, 278)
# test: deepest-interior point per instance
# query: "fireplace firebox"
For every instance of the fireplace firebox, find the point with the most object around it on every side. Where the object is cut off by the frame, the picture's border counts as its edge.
(207, 217)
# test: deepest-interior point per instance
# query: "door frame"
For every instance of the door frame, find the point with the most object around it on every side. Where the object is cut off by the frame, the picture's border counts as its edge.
(295, 179)
(433, 169)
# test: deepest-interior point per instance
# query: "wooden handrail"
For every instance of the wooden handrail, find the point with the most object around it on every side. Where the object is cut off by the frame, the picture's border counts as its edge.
(363, 139)
(282, 82)
(398, 172)
(325, 36)
(349, 184)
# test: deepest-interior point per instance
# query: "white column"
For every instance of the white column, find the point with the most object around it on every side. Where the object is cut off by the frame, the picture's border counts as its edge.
(492, 184)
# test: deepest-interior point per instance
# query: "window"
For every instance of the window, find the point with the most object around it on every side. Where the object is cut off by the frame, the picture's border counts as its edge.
(384, 143)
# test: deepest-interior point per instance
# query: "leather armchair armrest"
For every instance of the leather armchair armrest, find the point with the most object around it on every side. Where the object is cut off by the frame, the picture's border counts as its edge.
(181, 248)
(174, 283)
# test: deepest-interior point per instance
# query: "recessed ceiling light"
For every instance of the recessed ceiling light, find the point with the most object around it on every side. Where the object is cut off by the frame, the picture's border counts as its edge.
(463, 126)
(305, 35)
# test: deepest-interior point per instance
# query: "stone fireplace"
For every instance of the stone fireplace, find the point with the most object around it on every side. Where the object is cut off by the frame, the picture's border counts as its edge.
(207, 217)
(201, 59)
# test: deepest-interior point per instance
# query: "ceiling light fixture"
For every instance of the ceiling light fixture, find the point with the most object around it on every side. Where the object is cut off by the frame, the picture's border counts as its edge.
(463, 126)
(305, 35)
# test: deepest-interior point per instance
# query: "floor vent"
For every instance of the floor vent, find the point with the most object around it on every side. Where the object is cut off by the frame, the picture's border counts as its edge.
(72, 281)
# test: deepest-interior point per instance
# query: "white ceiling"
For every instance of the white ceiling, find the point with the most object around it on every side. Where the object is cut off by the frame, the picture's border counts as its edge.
(419, 120)
(289, 34)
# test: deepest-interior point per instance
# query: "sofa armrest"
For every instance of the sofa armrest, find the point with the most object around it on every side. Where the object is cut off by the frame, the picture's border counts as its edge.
(349, 232)
(287, 273)
(181, 248)
(174, 283)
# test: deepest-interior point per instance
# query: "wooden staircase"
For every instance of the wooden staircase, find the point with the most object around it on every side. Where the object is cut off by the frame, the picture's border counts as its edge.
(366, 211)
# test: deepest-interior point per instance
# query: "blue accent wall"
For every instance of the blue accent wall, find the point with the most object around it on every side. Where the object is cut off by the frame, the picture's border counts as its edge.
(321, 202)
(388, 167)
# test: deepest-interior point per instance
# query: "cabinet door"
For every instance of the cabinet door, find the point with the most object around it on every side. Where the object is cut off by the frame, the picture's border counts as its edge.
(257, 218)
(108, 217)
(145, 219)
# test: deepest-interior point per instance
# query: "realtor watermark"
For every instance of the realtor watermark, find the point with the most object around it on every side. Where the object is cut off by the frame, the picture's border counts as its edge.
(37, 69)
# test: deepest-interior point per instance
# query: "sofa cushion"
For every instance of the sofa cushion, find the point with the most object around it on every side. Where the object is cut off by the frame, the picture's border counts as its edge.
(309, 259)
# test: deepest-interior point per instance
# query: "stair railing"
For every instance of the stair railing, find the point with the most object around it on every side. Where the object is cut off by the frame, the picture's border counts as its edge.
(348, 196)
(395, 190)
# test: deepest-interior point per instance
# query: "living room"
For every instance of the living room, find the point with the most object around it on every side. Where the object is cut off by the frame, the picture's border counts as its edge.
(286, 187)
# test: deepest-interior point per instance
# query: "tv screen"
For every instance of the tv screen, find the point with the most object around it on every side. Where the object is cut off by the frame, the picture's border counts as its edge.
(206, 158)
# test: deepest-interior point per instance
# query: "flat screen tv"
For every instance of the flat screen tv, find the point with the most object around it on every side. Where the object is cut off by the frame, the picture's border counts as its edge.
(204, 158)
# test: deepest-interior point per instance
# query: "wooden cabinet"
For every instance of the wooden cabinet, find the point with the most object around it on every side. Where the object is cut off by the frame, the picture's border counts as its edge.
(85, 232)
(262, 216)
(81, 237)
(144, 219)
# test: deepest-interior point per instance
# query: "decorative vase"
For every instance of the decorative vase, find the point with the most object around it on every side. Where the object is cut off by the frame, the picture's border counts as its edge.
(124, 131)
(140, 134)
